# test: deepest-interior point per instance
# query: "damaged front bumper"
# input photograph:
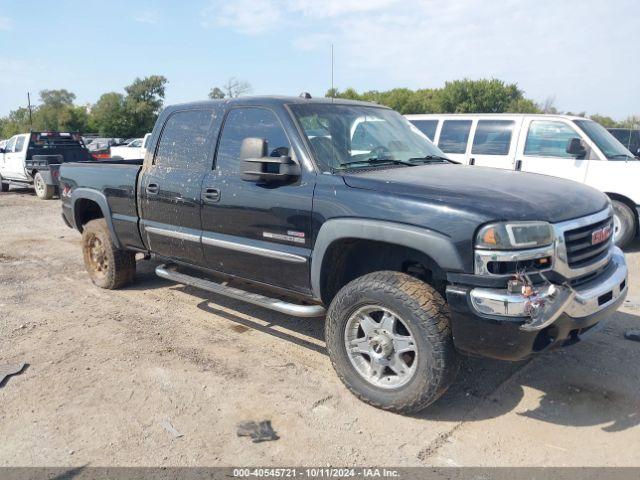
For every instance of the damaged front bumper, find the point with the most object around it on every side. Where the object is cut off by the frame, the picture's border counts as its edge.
(497, 323)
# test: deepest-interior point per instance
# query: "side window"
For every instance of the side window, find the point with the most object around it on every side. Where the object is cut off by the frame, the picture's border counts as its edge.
(623, 136)
(635, 142)
(492, 137)
(428, 127)
(186, 140)
(454, 136)
(549, 139)
(19, 144)
(10, 145)
(250, 122)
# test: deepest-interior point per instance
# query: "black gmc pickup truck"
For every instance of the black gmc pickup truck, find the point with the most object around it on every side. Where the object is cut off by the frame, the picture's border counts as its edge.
(301, 205)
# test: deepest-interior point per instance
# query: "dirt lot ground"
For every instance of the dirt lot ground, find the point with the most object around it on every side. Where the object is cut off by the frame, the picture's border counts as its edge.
(107, 368)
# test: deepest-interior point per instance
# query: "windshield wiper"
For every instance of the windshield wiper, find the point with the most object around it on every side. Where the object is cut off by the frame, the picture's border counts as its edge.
(623, 155)
(377, 161)
(430, 159)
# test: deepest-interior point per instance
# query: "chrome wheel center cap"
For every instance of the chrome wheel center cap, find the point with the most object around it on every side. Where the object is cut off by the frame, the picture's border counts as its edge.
(381, 346)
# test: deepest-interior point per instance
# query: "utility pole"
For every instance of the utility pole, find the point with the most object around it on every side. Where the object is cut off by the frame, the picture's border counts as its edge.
(30, 117)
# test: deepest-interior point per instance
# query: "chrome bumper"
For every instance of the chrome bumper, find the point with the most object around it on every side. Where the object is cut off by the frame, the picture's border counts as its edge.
(587, 299)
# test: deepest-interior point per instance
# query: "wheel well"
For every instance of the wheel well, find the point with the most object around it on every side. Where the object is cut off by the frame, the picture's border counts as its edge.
(348, 259)
(85, 211)
(629, 203)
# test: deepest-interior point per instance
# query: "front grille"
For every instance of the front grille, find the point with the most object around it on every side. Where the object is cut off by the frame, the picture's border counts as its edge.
(580, 251)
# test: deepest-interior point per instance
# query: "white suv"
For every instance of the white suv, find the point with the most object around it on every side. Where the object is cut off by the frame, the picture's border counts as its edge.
(559, 145)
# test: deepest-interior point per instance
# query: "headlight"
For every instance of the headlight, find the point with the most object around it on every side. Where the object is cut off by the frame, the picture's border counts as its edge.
(514, 235)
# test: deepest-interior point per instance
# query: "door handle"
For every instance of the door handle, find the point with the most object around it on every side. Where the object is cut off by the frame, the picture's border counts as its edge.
(152, 189)
(211, 195)
(472, 161)
(518, 165)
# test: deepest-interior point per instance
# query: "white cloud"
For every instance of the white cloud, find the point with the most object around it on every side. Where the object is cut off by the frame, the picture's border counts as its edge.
(245, 16)
(5, 24)
(575, 49)
(148, 17)
(335, 8)
(253, 17)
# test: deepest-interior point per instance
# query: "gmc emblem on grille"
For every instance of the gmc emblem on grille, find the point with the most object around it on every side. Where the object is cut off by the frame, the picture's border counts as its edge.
(600, 235)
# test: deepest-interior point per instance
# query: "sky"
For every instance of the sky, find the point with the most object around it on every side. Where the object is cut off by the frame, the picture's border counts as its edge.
(583, 54)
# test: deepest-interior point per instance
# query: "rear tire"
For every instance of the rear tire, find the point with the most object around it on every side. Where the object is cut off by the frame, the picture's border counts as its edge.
(415, 351)
(108, 266)
(624, 224)
(43, 191)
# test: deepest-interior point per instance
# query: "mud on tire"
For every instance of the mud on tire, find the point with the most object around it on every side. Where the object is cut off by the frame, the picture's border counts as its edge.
(108, 266)
(424, 313)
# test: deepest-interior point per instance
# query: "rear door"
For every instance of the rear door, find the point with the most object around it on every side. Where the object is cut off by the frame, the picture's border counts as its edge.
(15, 156)
(543, 149)
(494, 143)
(260, 232)
(170, 185)
(454, 137)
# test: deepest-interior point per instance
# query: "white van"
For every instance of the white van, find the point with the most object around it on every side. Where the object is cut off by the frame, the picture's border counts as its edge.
(560, 145)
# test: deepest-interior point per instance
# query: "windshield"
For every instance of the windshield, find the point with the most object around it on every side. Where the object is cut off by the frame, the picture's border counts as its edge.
(351, 136)
(607, 143)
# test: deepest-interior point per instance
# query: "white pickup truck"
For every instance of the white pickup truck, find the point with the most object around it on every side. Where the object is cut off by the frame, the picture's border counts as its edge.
(134, 150)
(34, 159)
(559, 145)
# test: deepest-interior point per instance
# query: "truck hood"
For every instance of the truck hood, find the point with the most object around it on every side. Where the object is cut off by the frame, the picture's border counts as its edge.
(493, 193)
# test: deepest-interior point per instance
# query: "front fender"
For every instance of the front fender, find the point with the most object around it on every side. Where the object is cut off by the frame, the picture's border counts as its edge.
(435, 245)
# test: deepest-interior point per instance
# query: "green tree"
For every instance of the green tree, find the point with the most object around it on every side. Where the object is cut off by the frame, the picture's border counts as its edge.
(109, 116)
(603, 120)
(233, 88)
(631, 122)
(483, 96)
(143, 103)
(16, 122)
(216, 93)
(57, 98)
(57, 112)
(459, 96)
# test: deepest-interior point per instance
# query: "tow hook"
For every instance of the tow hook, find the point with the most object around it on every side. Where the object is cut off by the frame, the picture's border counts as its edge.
(543, 304)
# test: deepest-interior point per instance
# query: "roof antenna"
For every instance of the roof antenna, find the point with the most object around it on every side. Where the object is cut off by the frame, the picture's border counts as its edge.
(332, 90)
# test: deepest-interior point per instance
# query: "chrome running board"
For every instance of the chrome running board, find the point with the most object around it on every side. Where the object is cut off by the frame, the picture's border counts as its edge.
(281, 306)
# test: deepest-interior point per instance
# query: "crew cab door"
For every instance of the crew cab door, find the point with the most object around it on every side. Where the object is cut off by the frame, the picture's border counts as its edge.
(4, 158)
(494, 142)
(169, 187)
(257, 231)
(543, 149)
(16, 152)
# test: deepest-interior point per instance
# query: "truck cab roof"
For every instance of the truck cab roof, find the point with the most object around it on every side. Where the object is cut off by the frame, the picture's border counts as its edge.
(270, 101)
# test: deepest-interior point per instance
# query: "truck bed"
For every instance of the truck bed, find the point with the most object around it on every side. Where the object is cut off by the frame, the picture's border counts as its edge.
(115, 181)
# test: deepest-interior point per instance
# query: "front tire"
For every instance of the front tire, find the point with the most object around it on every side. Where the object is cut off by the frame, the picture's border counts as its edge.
(624, 224)
(43, 191)
(108, 266)
(4, 186)
(389, 340)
